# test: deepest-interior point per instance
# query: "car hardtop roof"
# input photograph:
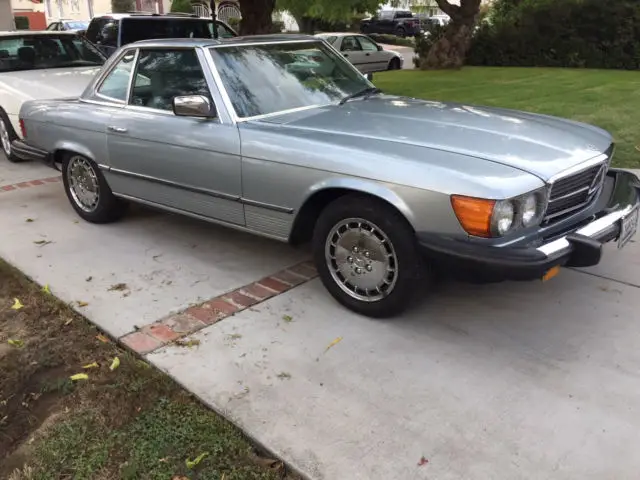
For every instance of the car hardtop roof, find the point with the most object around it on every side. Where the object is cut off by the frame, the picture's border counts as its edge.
(210, 42)
(30, 33)
(339, 34)
(151, 15)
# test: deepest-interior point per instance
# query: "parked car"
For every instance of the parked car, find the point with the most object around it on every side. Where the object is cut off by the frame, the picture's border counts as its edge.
(389, 189)
(363, 52)
(397, 22)
(68, 26)
(110, 32)
(40, 65)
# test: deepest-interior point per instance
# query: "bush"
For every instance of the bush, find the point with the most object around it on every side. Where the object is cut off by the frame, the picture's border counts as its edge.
(181, 6)
(22, 23)
(561, 33)
(277, 26)
(426, 41)
(234, 23)
(392, 39)
(122, 6)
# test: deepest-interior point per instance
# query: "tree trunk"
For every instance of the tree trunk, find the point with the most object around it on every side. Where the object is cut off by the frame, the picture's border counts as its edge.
(449, 51)
(306, 24)
(256, 16)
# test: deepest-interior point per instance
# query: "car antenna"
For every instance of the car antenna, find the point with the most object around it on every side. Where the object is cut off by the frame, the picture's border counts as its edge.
(213, 17)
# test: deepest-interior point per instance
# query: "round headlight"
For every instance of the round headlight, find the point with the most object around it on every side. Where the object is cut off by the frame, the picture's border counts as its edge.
(529, 210)
(503, 216)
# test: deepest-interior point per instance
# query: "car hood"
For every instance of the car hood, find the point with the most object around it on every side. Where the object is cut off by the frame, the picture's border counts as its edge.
(538, 144)
(46, 84)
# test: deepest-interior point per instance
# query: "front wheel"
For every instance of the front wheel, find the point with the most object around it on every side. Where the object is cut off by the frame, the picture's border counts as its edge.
(7, 135)
(88, 190)
(367, 256)
(394, 64)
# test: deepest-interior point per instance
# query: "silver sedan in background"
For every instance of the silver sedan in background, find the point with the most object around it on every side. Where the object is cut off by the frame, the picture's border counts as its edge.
(364, 53)
(251, 133)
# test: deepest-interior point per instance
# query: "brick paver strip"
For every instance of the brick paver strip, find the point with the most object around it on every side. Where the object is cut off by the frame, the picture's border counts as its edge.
(29, 184)
(165, 331)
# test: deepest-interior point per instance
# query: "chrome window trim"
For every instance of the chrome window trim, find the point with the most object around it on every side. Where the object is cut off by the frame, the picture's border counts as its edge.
(132, 76)
(227, 99)
(103, 103)
(253, 44)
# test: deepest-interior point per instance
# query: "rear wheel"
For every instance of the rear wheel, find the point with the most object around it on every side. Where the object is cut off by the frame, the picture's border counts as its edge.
(367, 256)
(7, 135)
(401, 32)
(88, 190)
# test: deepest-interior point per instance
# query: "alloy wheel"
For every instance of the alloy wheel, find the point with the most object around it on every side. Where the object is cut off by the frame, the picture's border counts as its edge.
(83, 183)
(5, 139)
(361, 259)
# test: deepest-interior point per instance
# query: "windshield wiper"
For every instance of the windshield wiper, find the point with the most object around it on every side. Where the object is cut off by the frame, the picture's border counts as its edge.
(365, 92)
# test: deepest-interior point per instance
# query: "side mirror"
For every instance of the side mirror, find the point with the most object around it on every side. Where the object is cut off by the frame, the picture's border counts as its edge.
(193, 106)
(380, 48)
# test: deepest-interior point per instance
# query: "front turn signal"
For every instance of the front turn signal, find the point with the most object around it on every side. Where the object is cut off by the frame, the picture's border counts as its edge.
(474, 214)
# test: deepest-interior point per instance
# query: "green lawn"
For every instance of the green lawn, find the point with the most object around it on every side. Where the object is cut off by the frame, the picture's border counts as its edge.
(607, 98)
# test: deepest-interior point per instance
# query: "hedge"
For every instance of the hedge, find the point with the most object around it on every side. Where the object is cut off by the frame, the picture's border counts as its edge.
(562, 33)
(391, 39)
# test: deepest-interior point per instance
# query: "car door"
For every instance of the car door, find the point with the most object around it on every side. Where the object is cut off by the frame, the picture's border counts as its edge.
(386, 22)
(374, 60)
(185, 163)
(352, 51)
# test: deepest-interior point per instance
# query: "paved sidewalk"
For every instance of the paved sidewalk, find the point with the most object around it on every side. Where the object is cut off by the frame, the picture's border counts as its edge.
(516, 380)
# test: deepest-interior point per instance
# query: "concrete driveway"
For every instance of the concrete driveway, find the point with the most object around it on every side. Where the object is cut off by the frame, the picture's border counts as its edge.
(517, 380)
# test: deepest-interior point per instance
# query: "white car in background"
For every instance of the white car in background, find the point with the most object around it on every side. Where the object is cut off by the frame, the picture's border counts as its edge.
(40, 65)
(365, 54)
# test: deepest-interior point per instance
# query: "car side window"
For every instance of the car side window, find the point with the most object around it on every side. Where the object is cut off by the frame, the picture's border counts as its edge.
(367, 45)
(116, 83)
(350, 44)
(163, 74)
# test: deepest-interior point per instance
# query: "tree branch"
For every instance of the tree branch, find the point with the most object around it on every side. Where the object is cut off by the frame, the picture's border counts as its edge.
(449, 9)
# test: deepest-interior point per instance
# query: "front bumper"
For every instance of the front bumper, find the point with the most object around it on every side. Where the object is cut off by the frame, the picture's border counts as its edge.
(26, 152)
(578, 246)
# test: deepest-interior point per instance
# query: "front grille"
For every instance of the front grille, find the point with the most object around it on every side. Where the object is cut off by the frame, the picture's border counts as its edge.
(571, 193)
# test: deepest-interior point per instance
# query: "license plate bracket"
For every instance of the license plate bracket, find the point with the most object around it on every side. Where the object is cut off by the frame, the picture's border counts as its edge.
(628, 227)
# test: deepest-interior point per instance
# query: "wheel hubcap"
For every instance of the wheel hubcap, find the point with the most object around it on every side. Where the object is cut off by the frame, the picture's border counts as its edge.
(4, 138)
(83, 184)
(361, 259)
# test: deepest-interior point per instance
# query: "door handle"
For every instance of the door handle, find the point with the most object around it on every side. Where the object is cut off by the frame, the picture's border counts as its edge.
(346, 56)
(367, 54)
(117, 129)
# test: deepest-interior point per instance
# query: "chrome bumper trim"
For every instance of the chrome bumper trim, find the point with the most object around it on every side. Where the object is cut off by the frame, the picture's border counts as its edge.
(591, 230)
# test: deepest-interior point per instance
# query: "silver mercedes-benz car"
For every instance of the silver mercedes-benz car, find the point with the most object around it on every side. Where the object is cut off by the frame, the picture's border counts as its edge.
(255, 134)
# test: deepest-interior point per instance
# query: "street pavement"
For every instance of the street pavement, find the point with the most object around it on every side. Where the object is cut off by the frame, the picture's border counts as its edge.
(507, 381)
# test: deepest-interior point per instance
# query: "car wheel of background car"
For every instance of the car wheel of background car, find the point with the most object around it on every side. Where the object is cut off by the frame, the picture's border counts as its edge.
(367, 256)
(7, 135)
(394, 64)
(88, 190)
(401, 32)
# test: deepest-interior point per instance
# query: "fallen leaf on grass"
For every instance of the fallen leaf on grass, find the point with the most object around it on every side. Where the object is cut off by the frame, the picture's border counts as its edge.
(423, 461)
(115, 364)
(15, 343)
(193, 463)
(46, 289)
(91, 365)
(82, 304)
(102, 338)
(287, 318)
(17, 304)
(42, 243)
(69, 320)
(333, 344)
(79, 376)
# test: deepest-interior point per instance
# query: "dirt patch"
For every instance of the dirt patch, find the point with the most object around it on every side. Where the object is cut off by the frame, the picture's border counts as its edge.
(125, 422)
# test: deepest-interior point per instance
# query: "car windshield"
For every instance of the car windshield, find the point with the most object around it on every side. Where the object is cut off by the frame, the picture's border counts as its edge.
(35, 52)
(270, 78)
(76, 25)
(143, 28)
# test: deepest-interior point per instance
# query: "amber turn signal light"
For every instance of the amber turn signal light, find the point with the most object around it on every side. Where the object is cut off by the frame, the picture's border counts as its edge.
(474, 214)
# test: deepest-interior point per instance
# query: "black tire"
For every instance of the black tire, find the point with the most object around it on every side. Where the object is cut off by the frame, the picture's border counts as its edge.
(401, 32)
(394, 64)
(6, 123)
(108, 208)
(411, 269)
